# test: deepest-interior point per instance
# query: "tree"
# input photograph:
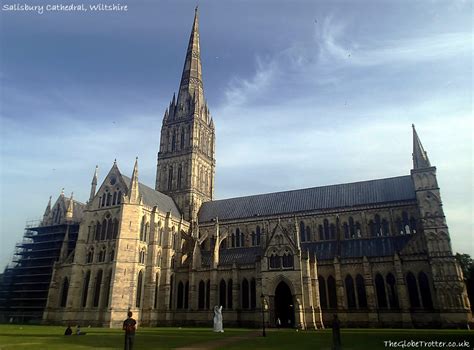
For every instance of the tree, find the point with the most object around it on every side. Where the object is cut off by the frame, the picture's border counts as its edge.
(467, 266)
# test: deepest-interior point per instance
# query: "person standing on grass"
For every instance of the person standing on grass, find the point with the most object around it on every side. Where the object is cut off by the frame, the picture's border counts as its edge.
(129, 326)
(336, 333)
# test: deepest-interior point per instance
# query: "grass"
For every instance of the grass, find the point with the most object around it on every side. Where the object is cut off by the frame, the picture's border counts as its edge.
(52, 338)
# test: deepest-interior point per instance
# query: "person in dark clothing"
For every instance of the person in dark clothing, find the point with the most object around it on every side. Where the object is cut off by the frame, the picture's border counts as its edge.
(129, 326)
(336, 333)
(68, 331)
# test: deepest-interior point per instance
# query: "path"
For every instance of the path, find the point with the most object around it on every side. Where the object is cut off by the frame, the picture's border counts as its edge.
(219, 343)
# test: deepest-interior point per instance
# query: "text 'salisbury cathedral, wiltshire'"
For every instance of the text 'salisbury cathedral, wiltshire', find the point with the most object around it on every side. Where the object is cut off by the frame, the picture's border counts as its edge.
(376, 252)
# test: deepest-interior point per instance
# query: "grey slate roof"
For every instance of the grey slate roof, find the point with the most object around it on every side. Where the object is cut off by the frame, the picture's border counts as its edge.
(151, 198)
(245, 255)
(356, 248)
(316, 198)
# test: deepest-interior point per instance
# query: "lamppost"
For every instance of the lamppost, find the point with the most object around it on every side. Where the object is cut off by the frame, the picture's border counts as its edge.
(264, 304)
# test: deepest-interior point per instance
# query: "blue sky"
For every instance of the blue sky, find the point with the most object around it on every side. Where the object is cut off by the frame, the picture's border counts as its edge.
(303, 94)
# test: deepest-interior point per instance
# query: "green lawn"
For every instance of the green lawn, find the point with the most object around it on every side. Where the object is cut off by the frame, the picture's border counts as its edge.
(50, 337)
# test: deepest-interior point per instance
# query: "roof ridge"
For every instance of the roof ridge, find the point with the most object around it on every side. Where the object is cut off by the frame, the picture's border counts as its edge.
(309, 188)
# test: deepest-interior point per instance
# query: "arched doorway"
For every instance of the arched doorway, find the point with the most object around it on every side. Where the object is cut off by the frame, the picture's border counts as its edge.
(284, 306)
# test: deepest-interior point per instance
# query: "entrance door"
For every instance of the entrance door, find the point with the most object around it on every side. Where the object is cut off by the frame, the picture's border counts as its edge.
(284, 307)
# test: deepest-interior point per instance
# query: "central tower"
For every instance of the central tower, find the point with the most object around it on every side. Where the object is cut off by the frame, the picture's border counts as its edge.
(186, 158)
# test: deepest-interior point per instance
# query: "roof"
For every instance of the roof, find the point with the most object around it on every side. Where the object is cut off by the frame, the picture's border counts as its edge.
(357, 248)
(153, 198)
(241, 256)
(348, 195)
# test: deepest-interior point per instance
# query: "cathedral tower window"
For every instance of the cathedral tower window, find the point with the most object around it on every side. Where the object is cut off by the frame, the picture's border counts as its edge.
(98, 282)
(90, 256)
(322, 293)
(180, 174)
(112, 255)
(114, 200)
(182, 145)
(108, 285)
(110, 227)
(97, 231)
(380, 291)
(102, 254)
(274, 261)
(103, 230)
(157, 280)
(332, 229)
(350, 292)
(361, 292)
(139, 289)
(258, 235)
(116, 227)
(170, 178)
(64, 292)
(85, 288)
(142, 256)
(392, 291)
(173, 141)
(222, 294)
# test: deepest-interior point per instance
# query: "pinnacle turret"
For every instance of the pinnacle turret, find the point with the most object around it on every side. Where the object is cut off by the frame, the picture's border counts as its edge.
(420, 157)
(70, 207)
(94, 184)
(133, 188)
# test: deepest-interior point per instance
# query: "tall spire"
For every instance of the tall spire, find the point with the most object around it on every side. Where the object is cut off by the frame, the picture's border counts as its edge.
(420, 157)
(191, 79)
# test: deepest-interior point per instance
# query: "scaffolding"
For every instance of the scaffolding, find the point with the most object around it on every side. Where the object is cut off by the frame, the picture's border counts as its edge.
(25, 282)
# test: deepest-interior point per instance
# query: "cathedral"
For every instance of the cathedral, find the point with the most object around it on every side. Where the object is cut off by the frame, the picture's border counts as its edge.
(377, 253)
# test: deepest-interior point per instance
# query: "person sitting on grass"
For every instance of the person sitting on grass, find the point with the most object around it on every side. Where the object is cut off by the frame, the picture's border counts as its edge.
(78, 331)
(68, 330)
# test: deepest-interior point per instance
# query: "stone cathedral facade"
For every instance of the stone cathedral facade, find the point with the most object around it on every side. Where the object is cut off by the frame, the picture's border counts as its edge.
(377, 252)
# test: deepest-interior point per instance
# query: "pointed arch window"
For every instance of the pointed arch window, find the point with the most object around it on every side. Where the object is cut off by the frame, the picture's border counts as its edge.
(102, 254)
(180, 175)
(350, 292)
(245, 294)
(222, 294)
(116, 227)
(98, 282)
(392, 291)
(380, 291)
(108, 285)
(326, 229)
(274, 261)
(322, 293)
(287, 260)
(157, 280)
(180, 300)
(258, 233)
(114, 200)
(103, 230)
(85, 288)
(332, 292)
(302, 232)
(90, 256)
(425, 291)
(64, 292)
(412, 290)
(110, 228)
(182, 145)
(138, 299)
(170, 178)
(332, 229)
(112, 255)
(361, 292)
(208, 294)
(253, 294)
(321, 232)
(229, 294)
(201, 295)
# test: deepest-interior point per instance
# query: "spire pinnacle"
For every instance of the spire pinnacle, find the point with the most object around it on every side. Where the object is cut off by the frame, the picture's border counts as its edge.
(133, 193)
(70, 207)
(191, 79)
(420, 157)
(94, 184)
